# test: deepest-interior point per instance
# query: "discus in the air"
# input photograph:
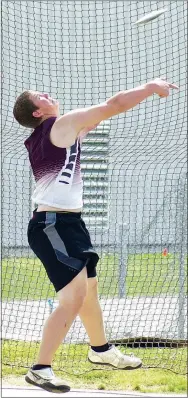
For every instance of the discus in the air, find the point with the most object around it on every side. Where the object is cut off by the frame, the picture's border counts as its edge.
(149, 17)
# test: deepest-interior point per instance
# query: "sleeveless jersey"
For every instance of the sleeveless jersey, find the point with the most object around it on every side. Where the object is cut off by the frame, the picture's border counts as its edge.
(56, 170)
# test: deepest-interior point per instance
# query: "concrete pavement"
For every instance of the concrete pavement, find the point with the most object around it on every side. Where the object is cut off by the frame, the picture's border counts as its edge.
(10, 391)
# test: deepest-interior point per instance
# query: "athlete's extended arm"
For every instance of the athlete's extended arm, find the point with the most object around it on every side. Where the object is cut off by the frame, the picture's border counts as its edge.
(66, 129)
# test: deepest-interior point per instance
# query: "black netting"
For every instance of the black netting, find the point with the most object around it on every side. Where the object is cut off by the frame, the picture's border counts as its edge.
(134, 168)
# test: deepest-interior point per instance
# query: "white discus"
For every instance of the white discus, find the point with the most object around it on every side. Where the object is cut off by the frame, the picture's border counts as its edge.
(149, 17)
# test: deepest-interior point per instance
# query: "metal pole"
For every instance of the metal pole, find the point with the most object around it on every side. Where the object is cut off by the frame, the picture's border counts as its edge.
(182, 243)
(123, 259)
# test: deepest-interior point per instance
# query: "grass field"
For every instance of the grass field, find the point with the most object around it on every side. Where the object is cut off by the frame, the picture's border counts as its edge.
(146, 275)
(78, 371)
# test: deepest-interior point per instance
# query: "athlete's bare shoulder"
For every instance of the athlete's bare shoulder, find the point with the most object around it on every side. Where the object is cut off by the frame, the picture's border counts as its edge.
(61, 132)
(68, 127)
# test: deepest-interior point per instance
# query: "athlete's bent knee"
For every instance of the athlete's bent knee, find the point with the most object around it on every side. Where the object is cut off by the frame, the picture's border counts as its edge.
(92, 284)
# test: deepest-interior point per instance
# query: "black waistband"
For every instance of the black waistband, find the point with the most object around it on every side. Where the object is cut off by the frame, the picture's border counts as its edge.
(43, 215)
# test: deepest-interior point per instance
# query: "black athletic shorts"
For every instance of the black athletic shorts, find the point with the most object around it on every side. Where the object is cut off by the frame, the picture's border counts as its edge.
(62, 242)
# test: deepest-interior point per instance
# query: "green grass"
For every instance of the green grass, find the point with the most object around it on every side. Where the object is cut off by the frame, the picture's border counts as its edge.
(147, 275)
(78, 371)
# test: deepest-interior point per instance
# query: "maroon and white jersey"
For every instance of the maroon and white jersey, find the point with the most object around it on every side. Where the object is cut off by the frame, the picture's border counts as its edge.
(56, 170)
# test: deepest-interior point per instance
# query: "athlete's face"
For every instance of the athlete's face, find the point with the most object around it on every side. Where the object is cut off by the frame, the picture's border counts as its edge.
(47, 106)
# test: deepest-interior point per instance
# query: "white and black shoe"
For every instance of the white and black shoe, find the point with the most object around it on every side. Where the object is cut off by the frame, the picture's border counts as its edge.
(115, 358)
(45, 378)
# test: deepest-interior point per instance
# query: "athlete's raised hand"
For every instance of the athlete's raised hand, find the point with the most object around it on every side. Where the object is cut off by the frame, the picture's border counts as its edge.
(162, 87)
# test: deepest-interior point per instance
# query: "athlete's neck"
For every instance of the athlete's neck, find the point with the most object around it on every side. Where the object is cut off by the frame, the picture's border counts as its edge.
(45, 117)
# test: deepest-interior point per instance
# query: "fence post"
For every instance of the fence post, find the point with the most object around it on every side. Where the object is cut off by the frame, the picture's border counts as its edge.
(123, 258)
(182, 244)
(181, 298)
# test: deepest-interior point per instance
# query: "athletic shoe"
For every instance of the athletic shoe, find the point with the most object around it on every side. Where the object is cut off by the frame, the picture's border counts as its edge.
(115, 358)
(45, 378)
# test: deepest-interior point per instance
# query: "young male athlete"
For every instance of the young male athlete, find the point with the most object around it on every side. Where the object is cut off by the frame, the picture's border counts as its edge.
(57, 234)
